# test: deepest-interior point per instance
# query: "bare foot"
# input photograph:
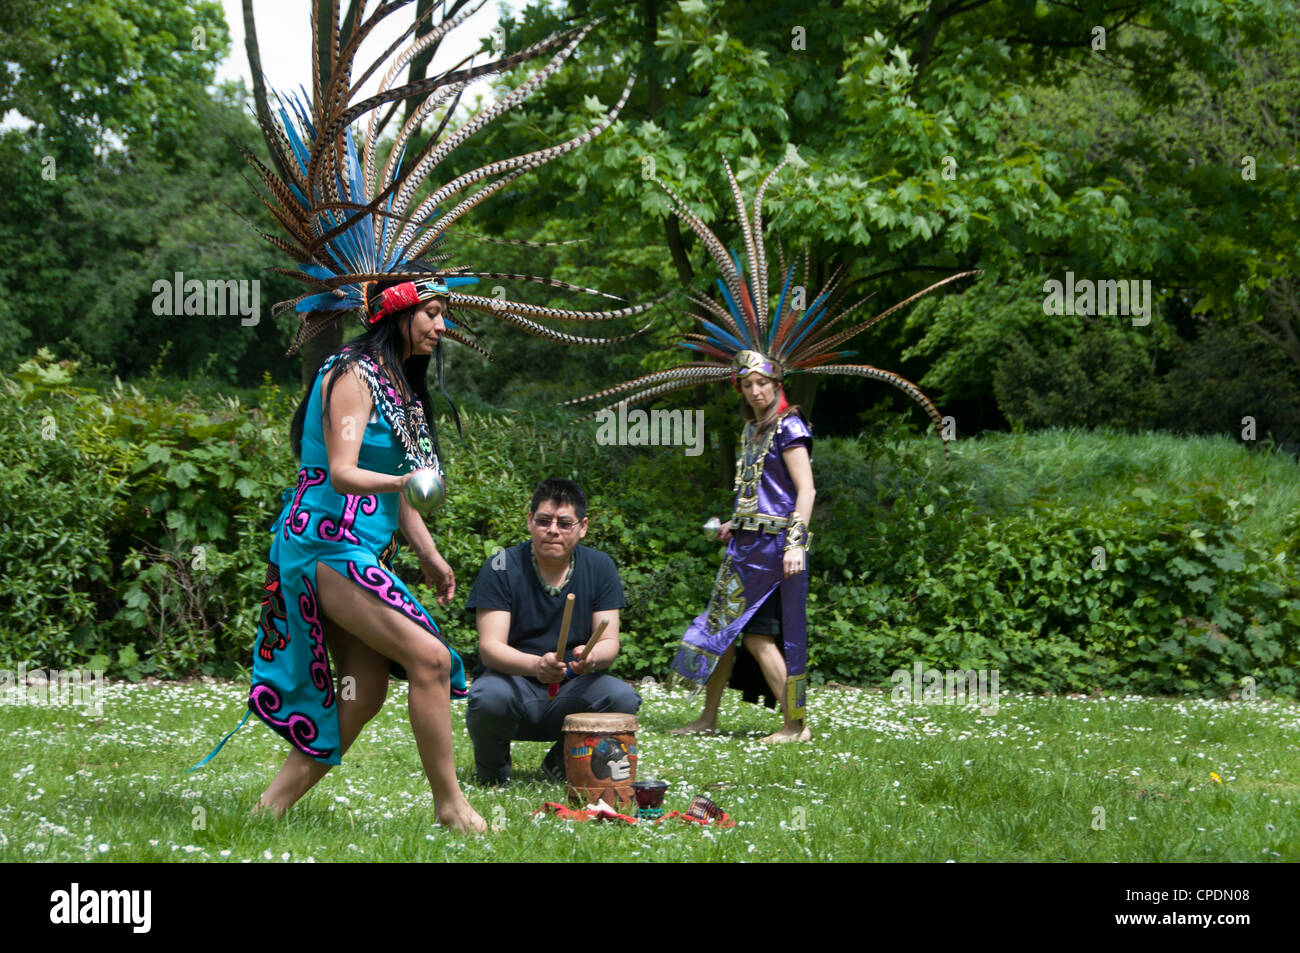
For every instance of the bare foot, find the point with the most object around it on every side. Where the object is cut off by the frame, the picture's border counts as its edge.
(460, 818)
(267, 807)
(797, 733)
(700, 726)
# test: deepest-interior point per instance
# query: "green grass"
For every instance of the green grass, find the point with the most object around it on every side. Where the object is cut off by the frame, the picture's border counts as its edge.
(1099, 469)
(881, 781)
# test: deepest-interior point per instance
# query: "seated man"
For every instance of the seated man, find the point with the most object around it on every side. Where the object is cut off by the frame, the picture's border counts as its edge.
(520, 595)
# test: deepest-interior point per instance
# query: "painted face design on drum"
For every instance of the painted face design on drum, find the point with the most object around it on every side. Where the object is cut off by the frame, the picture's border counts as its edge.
(610, 761)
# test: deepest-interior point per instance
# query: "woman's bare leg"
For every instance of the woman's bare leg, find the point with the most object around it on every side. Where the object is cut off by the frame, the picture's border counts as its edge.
(772, 662)
(358, 701)
(713, 689)
(428, 667)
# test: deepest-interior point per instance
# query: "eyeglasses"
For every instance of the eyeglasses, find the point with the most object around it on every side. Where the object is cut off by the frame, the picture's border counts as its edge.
(563, 525)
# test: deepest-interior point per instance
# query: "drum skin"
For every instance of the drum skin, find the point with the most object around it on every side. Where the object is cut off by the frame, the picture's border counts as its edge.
(600, 758)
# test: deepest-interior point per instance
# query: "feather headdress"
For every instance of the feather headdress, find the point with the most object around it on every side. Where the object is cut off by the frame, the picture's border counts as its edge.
(745, 334)
(352, 225)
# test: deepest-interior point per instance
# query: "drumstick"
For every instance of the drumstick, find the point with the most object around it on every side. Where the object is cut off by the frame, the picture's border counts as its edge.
(562, 642)
(600, 630)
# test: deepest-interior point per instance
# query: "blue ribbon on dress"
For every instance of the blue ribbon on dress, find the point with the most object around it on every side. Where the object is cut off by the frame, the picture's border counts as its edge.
(220, 743)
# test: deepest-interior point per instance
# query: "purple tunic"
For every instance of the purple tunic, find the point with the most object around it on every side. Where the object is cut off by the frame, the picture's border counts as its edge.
(753, 566)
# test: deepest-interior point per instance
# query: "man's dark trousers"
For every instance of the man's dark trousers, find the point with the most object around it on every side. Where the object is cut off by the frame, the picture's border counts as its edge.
(506, 708)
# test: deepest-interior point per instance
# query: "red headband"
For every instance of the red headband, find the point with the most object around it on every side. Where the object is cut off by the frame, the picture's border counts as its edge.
(395, 298)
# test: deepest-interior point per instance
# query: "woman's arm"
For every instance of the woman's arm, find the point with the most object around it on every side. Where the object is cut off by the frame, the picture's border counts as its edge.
(799, 465)
(344, 429)
(437, 571)
(416, 531)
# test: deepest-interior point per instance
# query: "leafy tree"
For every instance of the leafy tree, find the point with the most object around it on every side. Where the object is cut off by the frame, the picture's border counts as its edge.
(81, 255)
(1198, 195)
(129, 173)
(1225, 375)
(920, 147)
(94, 72)
(1100, 378)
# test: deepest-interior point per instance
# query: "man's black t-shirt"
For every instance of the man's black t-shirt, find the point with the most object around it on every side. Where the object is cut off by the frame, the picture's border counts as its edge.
(508, 581)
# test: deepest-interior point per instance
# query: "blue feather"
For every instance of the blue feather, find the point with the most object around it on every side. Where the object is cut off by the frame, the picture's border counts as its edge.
(721, 337)
(740, 269)
(326, 302)
(780, 307)
(300, 150)
(316, 271)
(735, 312)
(383, 238)
(809, 321)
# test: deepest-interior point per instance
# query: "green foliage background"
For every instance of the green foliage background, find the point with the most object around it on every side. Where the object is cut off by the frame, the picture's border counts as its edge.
(1007, 135)
(922, 138)
(136, 527)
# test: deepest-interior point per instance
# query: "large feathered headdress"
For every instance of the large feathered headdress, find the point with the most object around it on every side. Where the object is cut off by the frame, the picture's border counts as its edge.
(354, 226)
(748, 336)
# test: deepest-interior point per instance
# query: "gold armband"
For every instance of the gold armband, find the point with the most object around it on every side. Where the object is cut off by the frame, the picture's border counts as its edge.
(796, 534)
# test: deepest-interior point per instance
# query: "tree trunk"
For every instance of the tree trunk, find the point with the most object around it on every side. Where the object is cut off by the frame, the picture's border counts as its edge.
(727, 442)
(1283, 309)
(802, 390)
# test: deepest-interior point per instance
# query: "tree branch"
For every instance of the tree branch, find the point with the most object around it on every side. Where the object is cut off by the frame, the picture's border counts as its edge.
(931, 23)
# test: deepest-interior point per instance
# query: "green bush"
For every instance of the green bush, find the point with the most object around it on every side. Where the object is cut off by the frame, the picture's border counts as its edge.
(133, 525)
(1102, 378)
(136, 539)
(61, 502)
(1106, 376)
(1228, 373)
(1162, 593)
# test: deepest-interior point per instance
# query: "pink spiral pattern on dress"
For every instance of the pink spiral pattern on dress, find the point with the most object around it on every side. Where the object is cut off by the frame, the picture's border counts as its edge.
(320, 666)
(340, 529)
(382, 584)
(298, 521)
(265, 702)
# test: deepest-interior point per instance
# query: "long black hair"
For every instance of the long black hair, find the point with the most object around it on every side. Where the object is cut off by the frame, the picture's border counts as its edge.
(382, 342)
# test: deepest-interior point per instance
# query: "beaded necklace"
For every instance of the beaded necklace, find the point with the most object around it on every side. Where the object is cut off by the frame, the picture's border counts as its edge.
(568, 573)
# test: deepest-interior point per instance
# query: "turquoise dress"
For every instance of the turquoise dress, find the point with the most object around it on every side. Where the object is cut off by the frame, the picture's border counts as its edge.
(293, 686)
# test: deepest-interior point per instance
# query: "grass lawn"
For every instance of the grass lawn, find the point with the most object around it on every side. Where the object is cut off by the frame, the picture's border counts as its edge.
(881, 781)
(1097, 469)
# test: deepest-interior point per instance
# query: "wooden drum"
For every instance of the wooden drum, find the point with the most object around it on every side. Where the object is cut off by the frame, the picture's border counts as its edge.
(600, 757)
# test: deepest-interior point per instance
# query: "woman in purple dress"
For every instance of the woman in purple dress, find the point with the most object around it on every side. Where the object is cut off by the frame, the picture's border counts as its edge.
(761, 591)
(757, 339)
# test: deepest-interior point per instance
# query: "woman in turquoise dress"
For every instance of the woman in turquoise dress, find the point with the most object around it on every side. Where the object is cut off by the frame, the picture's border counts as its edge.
(332, 605)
